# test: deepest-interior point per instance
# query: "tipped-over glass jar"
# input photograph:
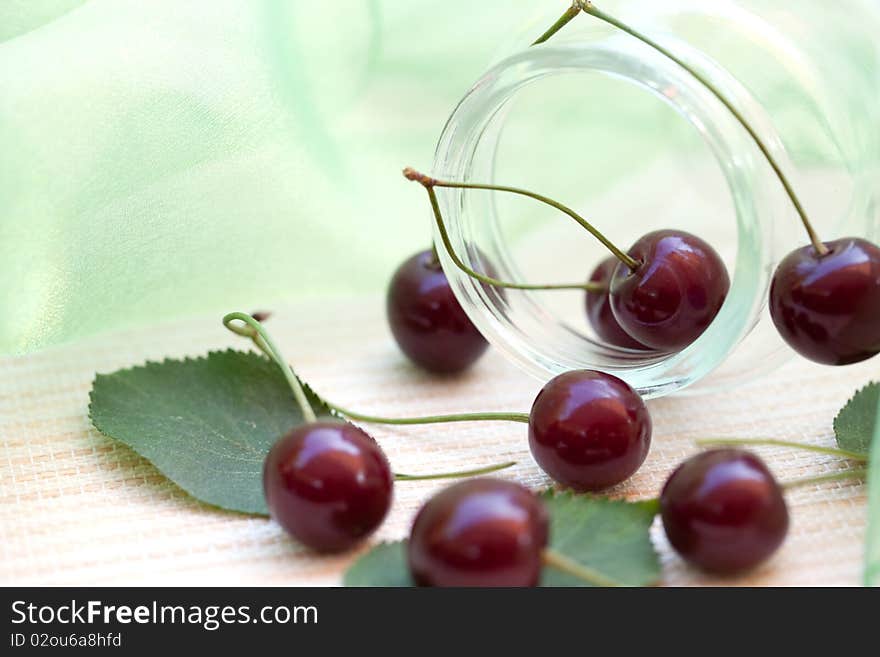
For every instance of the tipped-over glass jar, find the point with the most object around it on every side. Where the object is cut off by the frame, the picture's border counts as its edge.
(621, 133)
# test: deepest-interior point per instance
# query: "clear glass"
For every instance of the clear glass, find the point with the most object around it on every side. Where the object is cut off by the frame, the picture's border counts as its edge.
(611, 127)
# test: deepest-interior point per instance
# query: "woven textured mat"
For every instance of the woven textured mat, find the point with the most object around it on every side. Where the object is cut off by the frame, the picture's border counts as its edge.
(78, 508)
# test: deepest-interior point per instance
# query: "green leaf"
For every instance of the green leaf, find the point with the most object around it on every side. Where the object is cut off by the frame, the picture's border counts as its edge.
(854, 426)
(857, 428)
(872, 540)
(384, 565)
(206, 423)
(611, 537)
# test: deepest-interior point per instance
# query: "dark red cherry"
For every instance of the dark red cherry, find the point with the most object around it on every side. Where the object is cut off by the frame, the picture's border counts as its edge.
(479, 532)
(599, 313)
(328, 484)
(827, 307)
(723, 511)
(674, 294)
(426, 319)
(589, 430)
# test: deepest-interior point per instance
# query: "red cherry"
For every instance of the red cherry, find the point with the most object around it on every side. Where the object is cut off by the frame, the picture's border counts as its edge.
(480, 532)
(589, 430)
(599, 312)
(426, 319)
(328, 484)
(723, 511)
(827, 307)
(674, 294)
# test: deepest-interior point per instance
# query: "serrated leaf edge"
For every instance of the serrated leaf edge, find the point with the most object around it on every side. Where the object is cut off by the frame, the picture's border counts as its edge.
(147, 364)
(651, 505)
(150, 364)
(863, 390)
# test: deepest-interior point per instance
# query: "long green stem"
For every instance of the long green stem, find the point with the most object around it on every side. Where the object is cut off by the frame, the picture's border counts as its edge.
(570, 13)
(433, 419)
(454, 475)
(772, 442)
(254, 330)
(258, 335)
(430, 183)
(264, 342)
(489, 280)
(554, 559)
(855, 473)
(594, 11)
(252, 335)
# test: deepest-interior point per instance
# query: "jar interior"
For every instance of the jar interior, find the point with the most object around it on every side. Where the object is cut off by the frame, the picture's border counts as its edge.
(635, 168)
(700, 172)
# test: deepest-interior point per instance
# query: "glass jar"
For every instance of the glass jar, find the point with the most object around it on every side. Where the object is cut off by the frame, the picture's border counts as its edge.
(611, 127)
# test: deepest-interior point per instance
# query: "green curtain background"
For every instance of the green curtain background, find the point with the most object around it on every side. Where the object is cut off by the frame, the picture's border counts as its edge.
(176, 157)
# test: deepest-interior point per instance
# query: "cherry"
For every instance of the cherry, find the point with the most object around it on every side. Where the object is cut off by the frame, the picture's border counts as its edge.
(673, 294)
(328, 484)
(827, 307)
(664, 293)
(426, 319)
(598, 306)
(824, 298)
(723, 511)
(480, 532)
(589, 430)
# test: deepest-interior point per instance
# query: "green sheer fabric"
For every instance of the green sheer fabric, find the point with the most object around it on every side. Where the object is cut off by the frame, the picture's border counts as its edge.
(170, 157)
(167, 158)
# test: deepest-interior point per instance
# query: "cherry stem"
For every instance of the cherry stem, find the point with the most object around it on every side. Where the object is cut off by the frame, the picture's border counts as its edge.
(570, 13)
(559, 561)
(488, 280)
(591, 9)
(454, 475)
(832, 476)
(255, 331)
(433, 419)
(772, 442)
(430, 183)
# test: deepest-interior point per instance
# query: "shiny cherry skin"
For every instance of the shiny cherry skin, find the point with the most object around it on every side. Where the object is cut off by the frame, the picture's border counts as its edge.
(674, 294)
(328, 484)
(723, 511)
(598, 304)
(589, 430)
(827, 308)
(479, 532)
(426, 319)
